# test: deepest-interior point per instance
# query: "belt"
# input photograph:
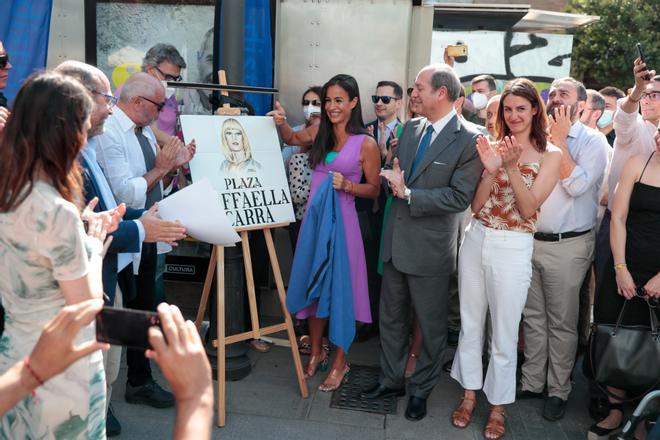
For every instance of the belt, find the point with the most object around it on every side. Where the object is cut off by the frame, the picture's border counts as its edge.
(542, 236)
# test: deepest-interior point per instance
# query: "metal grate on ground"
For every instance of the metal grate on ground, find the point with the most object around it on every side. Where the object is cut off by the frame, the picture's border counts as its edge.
(348, 396)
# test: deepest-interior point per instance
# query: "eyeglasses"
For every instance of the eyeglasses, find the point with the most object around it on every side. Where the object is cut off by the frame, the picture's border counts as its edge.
(307, 102)
(652, 96)
(385, 99)
(159, 105)
(110, 100)
(4, 60)
(167, 76)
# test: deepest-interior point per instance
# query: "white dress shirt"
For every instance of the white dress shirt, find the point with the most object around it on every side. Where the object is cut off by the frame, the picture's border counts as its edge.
(120, 155)
(89, 153)
(634, 136)
(437, 126)
(573, 203)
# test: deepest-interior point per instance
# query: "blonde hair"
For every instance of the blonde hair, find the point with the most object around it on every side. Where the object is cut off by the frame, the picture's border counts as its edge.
(229, 124)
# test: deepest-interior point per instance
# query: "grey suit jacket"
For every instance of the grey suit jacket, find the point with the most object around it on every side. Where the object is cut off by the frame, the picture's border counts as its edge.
(420, 237)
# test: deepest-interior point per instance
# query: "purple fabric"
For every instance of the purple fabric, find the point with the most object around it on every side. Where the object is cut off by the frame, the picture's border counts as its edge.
(167, 117)
(347, 162)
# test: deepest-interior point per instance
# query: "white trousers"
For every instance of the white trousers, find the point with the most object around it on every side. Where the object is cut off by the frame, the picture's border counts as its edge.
(494, 272)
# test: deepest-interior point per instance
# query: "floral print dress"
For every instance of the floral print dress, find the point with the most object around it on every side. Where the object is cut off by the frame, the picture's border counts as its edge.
(43, 242)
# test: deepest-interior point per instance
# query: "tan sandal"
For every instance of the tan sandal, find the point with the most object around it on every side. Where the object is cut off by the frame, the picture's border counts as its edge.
(462, 415)
(495, 427)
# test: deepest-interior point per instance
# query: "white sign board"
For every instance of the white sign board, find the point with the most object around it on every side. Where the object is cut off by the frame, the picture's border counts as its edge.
(507, 55)
(240, 156)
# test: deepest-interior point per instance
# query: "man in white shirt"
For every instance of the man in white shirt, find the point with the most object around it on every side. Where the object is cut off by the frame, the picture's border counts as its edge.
(563, 250)
(138, 170)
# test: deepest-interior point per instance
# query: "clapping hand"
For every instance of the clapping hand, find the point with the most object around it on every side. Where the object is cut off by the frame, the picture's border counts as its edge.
(158, 230)
(560, 125)
(491, 160)
(395, 179)
(510, 152)
(278, 114)
(186, 153)
(100, 224)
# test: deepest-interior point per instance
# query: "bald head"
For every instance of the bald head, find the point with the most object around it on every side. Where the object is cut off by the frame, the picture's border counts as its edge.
(141, 84)
(97, 83)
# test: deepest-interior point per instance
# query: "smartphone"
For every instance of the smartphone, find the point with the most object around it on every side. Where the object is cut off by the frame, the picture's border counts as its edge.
(459, 50)
(647, 77)
(125, 327)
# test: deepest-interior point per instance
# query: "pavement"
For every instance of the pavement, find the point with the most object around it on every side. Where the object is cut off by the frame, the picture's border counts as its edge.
(267, 405)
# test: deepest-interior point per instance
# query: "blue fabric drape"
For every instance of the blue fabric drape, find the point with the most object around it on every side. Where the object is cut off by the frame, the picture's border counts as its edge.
(24, 29)
(321, 270)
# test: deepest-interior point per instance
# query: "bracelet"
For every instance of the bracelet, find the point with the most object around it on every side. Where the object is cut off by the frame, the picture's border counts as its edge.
(26, 362)
(620, 266)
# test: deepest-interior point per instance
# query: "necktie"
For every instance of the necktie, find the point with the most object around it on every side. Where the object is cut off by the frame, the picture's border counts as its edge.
(423, 146)
(155, 194)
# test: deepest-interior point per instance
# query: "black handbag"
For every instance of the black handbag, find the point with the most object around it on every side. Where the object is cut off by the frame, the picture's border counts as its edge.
(625, 357)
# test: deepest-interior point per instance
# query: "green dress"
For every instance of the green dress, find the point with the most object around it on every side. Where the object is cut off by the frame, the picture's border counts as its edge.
(43, 242)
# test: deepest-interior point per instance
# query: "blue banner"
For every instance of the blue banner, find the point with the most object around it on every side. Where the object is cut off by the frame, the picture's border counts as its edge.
(258, 53)
(24, 28)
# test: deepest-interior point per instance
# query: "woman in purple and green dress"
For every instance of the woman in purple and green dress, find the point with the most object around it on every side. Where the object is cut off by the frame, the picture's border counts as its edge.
(341, 146)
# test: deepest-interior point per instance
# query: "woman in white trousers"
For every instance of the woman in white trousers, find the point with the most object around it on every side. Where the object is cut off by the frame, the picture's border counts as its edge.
(495, 259)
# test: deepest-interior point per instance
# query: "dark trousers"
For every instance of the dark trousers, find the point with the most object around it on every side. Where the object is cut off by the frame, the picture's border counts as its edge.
(2, 320)
(139, 369)
(428, 297)
(371, 224)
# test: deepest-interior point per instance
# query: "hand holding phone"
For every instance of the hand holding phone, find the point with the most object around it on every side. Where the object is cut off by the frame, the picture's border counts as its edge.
(126, 327)
(459, 50)
(647, 76)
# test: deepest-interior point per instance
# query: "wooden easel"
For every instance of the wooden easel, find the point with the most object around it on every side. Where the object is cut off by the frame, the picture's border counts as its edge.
(217, 263)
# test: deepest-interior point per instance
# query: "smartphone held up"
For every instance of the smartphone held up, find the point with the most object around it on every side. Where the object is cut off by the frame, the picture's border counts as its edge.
(126, 327)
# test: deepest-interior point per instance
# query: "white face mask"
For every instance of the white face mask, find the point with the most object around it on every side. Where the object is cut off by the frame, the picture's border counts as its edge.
(479, 100)
(169, 91)
(310, 111)
(605, 119)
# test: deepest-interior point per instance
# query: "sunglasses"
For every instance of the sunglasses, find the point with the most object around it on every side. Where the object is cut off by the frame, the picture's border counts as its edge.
(315, 102)
(159, 105)
(110, 100)
(4, 60)
(385, 99)
(167, 76)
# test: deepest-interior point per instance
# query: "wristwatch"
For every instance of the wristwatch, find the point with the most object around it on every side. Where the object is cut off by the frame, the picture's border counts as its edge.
(406, 193)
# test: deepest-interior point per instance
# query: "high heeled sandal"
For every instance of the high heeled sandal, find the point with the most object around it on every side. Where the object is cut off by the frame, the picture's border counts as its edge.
(495, 428)
(304, 346)
(335, 379)
(316, 362)
(462, 416)
(411, 364)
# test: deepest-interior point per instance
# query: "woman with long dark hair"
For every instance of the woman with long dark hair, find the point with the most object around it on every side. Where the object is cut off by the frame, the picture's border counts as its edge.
(344, 149)
(495, 258)
(48, 259)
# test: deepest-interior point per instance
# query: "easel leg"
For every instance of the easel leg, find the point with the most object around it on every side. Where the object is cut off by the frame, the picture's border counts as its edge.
(201, 310)
(249, 277)
(304, 392)
(221, 334)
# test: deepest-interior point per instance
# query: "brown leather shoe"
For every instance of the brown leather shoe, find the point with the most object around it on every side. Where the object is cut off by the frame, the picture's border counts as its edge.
(495, 429)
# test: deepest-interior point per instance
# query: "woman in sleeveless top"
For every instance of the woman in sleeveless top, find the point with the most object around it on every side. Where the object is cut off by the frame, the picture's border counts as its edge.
(495, 258)
(635, 243)
(48, 259)
(343, 147)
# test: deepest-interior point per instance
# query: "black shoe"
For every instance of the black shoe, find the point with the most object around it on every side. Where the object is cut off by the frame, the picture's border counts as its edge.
(526, 394)
(379, 391)
(554, 408)
(416, 409)
(599, 407)
(446, 367)
(599, 433)
(149, 394)
(452, 337)
(112, 426)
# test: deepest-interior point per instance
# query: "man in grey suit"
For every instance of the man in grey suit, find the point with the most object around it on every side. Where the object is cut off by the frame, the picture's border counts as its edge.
(433, 179)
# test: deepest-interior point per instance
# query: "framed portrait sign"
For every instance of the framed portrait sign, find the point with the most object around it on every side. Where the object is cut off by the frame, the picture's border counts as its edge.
(240, 155)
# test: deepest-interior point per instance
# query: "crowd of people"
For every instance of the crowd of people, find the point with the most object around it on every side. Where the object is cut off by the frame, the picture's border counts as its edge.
(470, 222)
